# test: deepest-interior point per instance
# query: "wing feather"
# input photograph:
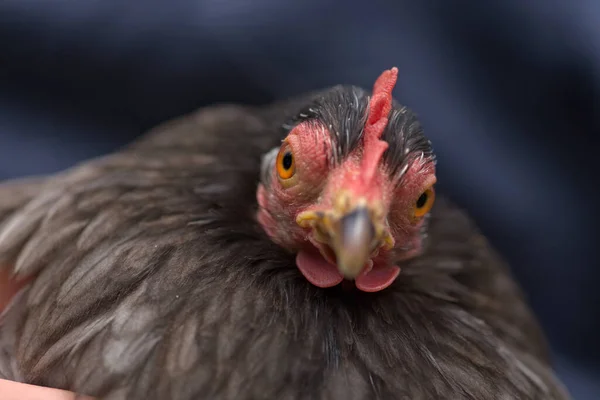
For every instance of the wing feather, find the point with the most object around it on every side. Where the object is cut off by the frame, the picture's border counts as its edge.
(152, 281)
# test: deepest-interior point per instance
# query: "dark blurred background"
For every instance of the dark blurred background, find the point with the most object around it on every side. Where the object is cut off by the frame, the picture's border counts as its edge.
(507, 91)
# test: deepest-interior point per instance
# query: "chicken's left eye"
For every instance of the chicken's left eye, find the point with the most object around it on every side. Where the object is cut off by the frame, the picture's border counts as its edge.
(424, 203)
(286, 165)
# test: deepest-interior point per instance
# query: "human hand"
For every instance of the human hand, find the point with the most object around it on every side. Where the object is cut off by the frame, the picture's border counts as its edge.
(20, 391)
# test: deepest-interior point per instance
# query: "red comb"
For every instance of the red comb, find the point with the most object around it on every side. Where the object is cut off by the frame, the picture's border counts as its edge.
(379, 108)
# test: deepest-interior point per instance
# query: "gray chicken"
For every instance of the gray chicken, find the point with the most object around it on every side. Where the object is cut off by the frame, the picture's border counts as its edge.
(280, 252)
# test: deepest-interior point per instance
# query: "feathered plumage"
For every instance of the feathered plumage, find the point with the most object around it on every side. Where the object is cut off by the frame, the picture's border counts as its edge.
(153, 280)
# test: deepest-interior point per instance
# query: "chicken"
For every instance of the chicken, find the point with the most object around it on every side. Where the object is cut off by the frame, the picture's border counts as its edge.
(284, 252)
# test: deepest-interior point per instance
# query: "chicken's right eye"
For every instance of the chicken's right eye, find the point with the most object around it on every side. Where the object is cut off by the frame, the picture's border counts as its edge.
(286, 165)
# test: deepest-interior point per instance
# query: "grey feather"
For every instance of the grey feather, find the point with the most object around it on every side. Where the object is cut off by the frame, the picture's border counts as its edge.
(153, 281)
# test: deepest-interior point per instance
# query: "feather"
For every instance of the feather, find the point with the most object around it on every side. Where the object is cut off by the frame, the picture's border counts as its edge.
(153, 281)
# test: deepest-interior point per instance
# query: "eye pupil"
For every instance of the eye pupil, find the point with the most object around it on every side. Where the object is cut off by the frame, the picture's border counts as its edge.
(287, 161)
(422, 200)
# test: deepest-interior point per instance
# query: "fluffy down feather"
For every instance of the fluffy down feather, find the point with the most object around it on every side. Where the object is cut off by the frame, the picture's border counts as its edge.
(153, 281)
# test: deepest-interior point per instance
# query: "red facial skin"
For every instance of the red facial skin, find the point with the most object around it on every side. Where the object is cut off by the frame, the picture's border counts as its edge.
(316, 184)
(363, 177)
(279, 205)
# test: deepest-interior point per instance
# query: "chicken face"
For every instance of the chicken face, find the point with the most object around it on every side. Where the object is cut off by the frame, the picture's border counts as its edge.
(350, 187)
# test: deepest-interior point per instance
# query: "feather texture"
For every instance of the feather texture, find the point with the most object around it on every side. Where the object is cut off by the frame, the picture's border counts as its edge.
(153, 281)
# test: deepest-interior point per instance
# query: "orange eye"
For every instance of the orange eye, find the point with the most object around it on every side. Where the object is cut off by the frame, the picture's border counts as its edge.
(286, 165)
(424, 203)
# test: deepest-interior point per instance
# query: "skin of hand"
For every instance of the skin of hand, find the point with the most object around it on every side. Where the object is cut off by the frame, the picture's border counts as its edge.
(20, 391)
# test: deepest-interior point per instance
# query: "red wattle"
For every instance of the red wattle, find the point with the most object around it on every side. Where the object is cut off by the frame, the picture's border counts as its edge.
(323, 274)
(317, 270)
(378, 278)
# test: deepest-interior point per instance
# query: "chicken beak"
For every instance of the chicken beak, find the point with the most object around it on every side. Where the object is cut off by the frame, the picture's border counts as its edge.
(353, 233)
(352, 240)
